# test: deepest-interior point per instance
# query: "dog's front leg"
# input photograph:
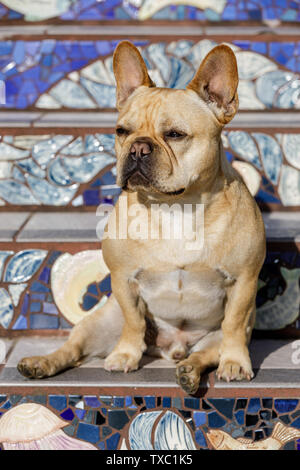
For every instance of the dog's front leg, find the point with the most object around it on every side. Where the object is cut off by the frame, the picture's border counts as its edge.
(129, 350)
(235, 363)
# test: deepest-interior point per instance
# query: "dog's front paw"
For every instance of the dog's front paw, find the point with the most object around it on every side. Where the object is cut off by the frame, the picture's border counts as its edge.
(188, 376)
(234, 370)
(36, 367)
(121, 362)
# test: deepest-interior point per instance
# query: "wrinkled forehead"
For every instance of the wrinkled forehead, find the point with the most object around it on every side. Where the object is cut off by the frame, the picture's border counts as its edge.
(159, 109)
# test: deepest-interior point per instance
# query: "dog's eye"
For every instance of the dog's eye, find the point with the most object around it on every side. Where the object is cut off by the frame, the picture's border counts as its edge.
(121, 131)
(174, 135)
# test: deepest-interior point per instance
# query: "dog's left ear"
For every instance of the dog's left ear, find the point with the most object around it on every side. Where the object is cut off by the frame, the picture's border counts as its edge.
(130, 71)
(216, 82)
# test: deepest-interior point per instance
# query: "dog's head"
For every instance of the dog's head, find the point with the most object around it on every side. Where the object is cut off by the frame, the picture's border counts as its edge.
(167, 139)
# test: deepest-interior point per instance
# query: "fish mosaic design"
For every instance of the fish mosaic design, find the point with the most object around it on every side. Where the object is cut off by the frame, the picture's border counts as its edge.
(281, 434)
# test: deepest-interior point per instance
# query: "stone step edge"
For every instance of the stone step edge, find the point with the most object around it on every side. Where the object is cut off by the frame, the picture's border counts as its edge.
(42, 227)
(133, 30)
(107, 120)
(271, 360)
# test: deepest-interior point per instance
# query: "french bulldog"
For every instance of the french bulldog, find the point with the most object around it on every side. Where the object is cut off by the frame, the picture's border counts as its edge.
(195, 307)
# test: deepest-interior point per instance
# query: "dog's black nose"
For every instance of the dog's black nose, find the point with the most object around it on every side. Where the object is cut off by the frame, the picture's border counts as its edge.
(140, 149)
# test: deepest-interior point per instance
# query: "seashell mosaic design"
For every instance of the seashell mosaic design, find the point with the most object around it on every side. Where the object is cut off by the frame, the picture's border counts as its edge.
(160, 431)
(148, 8)
(113, 422)
(31, 426)
(157, 430)
(284, 309)
(70, 277)
(15, 272)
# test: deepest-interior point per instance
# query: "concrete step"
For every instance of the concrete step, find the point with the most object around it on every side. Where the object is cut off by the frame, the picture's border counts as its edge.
(275, 364)
(21, 227)
(110, 411)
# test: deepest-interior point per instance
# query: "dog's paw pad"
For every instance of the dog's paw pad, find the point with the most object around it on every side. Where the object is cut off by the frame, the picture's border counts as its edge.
(233, 370)
(188, 377)
(35, 367)
(121, 362)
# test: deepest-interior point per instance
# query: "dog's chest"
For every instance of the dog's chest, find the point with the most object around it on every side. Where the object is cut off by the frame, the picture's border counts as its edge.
(182, 295)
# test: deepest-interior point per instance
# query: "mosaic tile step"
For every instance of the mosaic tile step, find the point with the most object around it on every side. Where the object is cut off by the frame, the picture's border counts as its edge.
(77, 74)
(275, 363)
(172, 10)
(78, 168)
(61, 420)
(34, 289)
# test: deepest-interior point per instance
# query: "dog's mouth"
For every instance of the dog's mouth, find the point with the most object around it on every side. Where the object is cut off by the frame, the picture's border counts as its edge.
(137, 178)
(175, 193)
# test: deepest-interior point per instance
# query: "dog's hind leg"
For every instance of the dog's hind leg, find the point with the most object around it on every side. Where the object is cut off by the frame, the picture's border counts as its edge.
(205, 353)
(95, 335)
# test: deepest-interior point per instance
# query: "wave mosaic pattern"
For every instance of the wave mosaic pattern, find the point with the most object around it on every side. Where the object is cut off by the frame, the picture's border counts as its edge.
(56, 74)
(27, 297)
(126, 422)
(64, 170)
(199, 10)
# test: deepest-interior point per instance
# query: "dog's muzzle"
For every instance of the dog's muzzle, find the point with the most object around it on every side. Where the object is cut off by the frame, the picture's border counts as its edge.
(137, 167)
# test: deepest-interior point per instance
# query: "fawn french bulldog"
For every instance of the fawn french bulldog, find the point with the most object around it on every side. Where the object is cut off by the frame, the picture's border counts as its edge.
(194, 307)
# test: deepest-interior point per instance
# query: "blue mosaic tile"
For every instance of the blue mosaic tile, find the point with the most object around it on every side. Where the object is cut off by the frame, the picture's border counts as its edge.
(67, 414)
(225, 405)
(117, 419)
(193, 403)
(118, 402)
(166, 402)
(21, 323)
(200, 439)
(199, 417)
(92, 401)
(215, 420)
(59, 402)
(88, 432)
(254, 405)
(38, 287)
(285, 406)
(150, 402)
(113, 441)
(41, 322)
(80, 413)
(240, 417)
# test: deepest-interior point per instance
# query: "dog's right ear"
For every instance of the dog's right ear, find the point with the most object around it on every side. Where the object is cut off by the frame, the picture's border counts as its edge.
(216, 82)
(130, 71)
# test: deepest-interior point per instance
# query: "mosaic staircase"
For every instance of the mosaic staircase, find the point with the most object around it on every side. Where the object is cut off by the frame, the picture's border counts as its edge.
(57, 165)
